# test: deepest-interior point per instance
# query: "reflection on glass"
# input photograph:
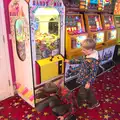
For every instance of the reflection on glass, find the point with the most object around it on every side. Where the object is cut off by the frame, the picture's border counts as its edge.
(112, 35)
(47, 34)
(99, 37)
(20, 39)
(94, 22)
(76, 42)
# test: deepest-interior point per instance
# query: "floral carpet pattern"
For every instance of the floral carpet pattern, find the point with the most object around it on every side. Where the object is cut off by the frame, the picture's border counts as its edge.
(107, 90)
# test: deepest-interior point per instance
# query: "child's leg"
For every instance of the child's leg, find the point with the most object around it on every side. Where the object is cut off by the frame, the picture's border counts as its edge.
(91, 97)
(82, 95)
(61, 109)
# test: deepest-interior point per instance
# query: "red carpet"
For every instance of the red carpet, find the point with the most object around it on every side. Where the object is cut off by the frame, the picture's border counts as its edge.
(107, 89)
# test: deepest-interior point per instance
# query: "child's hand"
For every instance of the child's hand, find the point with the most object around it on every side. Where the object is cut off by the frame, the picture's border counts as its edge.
(60, 118)
(87, 86)
(67, 61)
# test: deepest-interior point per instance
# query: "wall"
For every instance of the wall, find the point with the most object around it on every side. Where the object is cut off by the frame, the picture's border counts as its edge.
(6, 4)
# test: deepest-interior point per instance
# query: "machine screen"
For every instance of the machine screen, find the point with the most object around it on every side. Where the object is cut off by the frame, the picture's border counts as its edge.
(76, 43)
(94, 22)
(74, 24)
(93, 1)
(100, 37)
(109, 22)
(112, 35)
(47, 32)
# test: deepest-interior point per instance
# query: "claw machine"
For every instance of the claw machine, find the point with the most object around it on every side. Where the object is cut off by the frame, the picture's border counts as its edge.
(37, 34)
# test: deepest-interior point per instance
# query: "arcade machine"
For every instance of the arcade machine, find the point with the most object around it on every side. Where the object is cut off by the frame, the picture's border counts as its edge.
(94, 29)
(37, 34)
(110, 36)
(108, 24)
(117, 24)
(75, 34)
(117, 19)
(93, 23)
(110, 30)
(74, 27)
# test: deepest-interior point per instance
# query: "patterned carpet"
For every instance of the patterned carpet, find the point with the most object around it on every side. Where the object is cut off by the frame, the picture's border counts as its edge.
(107, 90)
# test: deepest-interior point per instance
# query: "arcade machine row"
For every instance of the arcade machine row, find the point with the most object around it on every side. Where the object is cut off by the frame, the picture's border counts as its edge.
(37, 34)
(73, 32)
(75, 27)
(96, 31)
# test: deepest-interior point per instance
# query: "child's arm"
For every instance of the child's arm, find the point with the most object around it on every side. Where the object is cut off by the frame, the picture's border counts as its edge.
(74, 61)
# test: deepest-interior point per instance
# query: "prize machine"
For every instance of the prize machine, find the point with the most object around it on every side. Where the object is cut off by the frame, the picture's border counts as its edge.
(110, 35)
(117, 19)
(95, 30)
(109, 28)
(37, 34)
(75, 34)
(117, 24)
(93, 22)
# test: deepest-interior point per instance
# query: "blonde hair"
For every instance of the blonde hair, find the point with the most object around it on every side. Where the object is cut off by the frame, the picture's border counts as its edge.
(89, 43)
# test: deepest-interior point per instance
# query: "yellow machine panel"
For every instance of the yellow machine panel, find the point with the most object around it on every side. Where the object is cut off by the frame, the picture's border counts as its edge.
(99, 37)
(95, 30)
(51, 67)
(75, 34)
(111, 36)
(73, 42)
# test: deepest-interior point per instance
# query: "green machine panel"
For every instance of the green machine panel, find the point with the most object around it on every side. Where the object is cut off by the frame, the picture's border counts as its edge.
(117, 24)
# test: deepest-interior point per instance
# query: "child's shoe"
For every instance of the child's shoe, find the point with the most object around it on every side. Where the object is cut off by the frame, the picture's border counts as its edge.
(94, 106)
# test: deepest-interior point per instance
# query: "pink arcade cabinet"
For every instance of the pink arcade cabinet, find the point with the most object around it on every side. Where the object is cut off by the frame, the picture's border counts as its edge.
(37, 34)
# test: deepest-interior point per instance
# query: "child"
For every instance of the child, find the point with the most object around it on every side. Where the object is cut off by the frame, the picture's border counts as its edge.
(87, 72)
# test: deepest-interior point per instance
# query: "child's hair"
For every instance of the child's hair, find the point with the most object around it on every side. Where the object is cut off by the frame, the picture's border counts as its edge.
(89, 43)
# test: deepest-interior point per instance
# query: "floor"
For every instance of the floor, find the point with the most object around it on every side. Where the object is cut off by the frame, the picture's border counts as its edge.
(107, 90)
